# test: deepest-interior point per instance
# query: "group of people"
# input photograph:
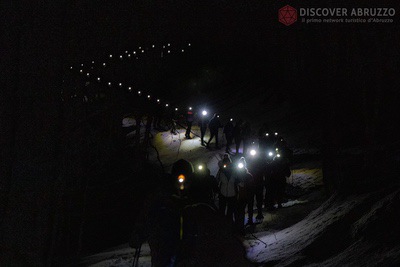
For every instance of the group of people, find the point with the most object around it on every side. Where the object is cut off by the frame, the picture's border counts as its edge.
(182, 225)
(242, 182)
(238, 132)
(194, 217)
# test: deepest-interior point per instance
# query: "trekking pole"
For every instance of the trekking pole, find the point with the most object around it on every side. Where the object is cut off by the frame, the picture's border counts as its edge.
(135, 262)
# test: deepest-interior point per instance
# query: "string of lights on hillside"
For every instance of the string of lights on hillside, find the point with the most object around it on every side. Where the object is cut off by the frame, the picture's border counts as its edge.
(135, 54)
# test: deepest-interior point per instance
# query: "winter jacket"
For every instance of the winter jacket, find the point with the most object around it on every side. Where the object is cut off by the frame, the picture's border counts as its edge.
(245, 184)
(257, 167)
(190, 116)
(226, 184)
(214, 124)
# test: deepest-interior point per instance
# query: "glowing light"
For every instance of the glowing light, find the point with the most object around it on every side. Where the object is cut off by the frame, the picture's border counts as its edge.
(253, 152)
(276, 133)
(190, 108)
(204, 113)
(134, 52)
(278, 155)
(270, 154)
(267, 134)
(169, 44)
(120, 84)
(92, 61)
(140, 47)
(109, 83)
(181, 178)
(153, 46)
(158, 100)
(129, 55)
(217, 116)
(70, 67)
(139, 93)
(80, 71)
(169, 51)
(142, 51)
(166, 105)
(224, 165)
(88, 74)
(130, 88)
(176, 109)
(200, 167)
(120, 56)
(148, 96)
(231, 119)
(183, 50)
(189, 44)
(126, 52)
(240, 165)
(276, 149)
(163, 46)
(98, 78)
(104, 64)
(82, 65)
(110, 56)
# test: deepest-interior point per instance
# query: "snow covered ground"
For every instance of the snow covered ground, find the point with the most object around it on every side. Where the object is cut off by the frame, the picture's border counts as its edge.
(308, 230)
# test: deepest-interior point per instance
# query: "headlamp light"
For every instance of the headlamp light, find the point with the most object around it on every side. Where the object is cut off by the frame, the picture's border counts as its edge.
(240, 165)
(181, 178)
(204, 113)
(270, 154)
(200, 167)
(253, 152)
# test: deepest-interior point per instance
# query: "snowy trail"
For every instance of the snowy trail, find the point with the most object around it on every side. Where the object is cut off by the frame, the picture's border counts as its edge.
(172, 147)
(285, 236)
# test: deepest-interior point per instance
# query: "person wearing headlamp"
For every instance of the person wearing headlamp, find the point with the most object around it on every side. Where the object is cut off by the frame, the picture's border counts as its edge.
(203, 122)
(245, 183)
(214, 126)
(228, 131)
(278, 170)
(204, 185)
(257, 167)
(227, 190)
(189, 121)
(159, 220)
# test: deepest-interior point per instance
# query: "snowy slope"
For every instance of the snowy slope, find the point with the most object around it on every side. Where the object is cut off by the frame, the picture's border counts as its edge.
(339, 232)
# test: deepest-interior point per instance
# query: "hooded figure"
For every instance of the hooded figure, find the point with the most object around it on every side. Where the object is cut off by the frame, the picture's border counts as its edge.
(244, 182)
(159, 220)
(181, 231)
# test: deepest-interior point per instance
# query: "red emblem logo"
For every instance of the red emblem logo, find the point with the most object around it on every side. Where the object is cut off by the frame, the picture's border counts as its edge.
(287, 15)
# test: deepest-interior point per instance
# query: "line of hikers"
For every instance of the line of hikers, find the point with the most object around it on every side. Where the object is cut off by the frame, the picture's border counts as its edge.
(181, 218)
